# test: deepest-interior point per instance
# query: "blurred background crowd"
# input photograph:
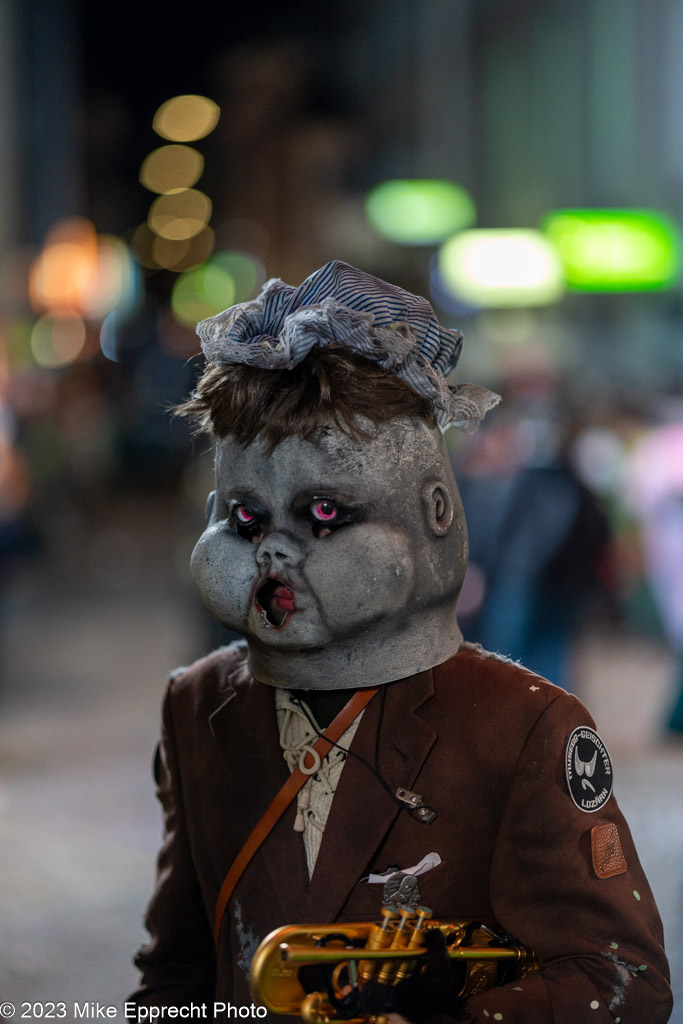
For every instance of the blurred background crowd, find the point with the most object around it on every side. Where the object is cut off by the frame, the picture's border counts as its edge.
(521, 165)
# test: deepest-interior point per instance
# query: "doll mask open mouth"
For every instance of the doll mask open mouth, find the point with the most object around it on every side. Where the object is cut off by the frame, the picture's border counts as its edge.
(275, 600)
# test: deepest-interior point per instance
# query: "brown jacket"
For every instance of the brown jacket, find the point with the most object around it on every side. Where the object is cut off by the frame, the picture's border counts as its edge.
(482, 740)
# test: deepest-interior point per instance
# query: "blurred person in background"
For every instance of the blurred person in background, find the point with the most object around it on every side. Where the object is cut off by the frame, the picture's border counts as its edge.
(654, 492)
(538, 536)
(17, 538)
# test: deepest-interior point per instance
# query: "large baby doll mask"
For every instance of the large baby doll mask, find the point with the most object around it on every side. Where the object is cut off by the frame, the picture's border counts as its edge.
(336, 541)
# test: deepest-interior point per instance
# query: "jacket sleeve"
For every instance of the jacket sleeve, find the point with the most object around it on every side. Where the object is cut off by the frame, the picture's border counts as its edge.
(598, 939)
(178, 964)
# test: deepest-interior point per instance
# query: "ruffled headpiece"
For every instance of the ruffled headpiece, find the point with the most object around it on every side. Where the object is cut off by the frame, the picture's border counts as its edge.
(341, 307)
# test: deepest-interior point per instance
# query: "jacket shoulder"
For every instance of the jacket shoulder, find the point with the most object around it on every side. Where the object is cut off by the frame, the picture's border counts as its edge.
(491, 668)
(489, 710)
(213, 677)
(510, 692)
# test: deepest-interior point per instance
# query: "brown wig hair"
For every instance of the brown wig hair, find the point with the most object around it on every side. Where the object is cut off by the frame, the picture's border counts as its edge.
(330, 388)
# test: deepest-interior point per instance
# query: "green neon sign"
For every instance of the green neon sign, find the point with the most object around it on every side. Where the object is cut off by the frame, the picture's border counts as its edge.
(418, 212)
(615, 250)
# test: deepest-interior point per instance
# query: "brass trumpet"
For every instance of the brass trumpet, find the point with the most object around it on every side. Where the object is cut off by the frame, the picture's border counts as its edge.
(387, 952)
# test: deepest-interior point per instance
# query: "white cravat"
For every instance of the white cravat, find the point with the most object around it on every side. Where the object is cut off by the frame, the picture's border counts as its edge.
(297, 737)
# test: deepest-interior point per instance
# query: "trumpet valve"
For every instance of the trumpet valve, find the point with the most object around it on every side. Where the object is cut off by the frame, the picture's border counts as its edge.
(407, 968)
(379, 937)
(400, 940)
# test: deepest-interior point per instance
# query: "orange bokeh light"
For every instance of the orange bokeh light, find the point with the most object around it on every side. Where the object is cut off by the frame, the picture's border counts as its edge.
(77, 272)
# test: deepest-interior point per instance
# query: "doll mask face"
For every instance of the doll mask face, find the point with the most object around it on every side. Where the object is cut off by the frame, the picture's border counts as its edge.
(324, 553)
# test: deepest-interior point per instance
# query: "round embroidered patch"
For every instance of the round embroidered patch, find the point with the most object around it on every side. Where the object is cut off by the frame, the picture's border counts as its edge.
(588, 770)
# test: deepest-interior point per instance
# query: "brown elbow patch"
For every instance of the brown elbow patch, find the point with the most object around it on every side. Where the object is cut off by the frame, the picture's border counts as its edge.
(608, 856)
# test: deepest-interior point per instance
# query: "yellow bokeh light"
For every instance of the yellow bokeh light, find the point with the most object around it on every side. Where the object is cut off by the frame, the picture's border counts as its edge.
(171, 168)
(180, 215)
(186, 118)
(166, 252)
(158, 253)
(57, 339)
(142, 242)
(184, 254)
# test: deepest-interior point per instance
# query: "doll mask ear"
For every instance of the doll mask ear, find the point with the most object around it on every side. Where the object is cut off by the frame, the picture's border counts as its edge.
(210, 504)
(438, 507)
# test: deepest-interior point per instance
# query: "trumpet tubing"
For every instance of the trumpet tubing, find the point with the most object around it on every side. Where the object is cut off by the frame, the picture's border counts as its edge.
(388, 952)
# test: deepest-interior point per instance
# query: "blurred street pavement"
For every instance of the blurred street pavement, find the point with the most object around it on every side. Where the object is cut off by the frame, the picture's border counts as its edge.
(83, 669)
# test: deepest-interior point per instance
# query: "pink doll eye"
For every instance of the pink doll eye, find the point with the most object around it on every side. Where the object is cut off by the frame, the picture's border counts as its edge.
(243, 516)
(248, 524)
(324, 510)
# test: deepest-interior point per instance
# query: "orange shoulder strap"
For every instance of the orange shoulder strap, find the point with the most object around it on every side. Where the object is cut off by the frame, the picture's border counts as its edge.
(282, 800)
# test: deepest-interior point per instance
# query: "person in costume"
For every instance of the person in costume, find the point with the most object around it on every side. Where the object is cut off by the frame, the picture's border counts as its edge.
(336, 545)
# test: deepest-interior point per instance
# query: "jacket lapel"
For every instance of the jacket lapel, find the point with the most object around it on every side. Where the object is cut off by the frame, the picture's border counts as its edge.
(362, 811)
(245, 731)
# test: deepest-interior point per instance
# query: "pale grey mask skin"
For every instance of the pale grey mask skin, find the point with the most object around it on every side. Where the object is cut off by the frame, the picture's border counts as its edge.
(340, 561)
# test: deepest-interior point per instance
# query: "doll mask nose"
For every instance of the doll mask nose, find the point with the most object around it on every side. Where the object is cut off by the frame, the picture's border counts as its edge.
(278, 549)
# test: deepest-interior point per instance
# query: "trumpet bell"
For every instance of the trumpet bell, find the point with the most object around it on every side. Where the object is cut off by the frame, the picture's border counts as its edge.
(274, 975)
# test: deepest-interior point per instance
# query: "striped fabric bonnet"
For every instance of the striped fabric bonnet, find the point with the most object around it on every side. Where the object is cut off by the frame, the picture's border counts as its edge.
(341, 307)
